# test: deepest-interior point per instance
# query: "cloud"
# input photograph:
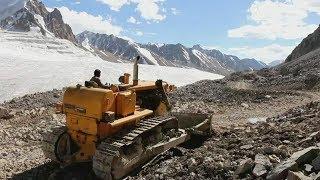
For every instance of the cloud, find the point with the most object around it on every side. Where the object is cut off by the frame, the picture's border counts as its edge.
(133, 20)
(139, 33)
(148, 9)
(272, 19)
(175, 11)
(115, 5)
(81, 21)
(266, 54)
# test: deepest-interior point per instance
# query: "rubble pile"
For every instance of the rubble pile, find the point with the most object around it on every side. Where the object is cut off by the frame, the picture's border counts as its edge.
(28, 126)
(36, 100)
(263, 150)
(282, 78)
(204, 96)
(27, 129)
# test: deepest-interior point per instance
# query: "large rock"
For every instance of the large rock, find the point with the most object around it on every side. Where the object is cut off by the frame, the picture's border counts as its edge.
(262, 165)
(282, 169)
(259, 170)
(306, 156)
(297, 159)
(317, 177)
(261, 159)
(297, 176)
(4, 113)
(245, 167)
(316, 163)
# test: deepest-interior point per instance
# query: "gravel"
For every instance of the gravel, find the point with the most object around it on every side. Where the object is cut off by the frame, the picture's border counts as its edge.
(28, 136)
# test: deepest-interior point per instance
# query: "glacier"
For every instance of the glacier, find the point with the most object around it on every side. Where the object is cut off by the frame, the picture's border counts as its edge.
(30, 62)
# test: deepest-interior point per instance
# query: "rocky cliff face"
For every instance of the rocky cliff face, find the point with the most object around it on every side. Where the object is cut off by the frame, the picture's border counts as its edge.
(168, 54)
(55, 24)
(33, 16)
(310, 43)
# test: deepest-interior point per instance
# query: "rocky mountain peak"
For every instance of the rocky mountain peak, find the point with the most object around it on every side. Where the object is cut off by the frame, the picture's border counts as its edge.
(55, 24)
(33, 15)
(56, 14)
(310, 43)
(37, 7)
(197, 47)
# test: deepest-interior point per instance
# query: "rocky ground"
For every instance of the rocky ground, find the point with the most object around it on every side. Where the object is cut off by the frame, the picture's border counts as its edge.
(25, 127)
(250, 151)
(254, 130)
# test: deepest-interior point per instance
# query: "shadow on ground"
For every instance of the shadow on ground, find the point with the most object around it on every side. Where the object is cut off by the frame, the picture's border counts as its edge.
(38, 173)
(52, 171)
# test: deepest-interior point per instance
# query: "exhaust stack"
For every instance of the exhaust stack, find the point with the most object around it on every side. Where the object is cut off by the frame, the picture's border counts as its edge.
(136, 71)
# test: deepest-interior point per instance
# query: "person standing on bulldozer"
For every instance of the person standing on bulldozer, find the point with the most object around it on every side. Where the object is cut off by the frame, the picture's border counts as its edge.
(96, 79)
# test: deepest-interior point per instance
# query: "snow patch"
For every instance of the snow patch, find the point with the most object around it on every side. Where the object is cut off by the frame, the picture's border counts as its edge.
(185, 54)
(159, 45)
(86, 45)
(147, 54)
(43, 25)
(199, 55)
(34, 63)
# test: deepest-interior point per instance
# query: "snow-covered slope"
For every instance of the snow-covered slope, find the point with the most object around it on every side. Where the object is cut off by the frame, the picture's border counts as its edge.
(31, 63)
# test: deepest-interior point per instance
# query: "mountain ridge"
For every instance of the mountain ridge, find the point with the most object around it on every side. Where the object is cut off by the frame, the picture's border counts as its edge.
(176, 55)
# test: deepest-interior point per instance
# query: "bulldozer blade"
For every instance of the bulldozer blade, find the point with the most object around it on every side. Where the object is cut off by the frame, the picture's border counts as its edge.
(194, 123)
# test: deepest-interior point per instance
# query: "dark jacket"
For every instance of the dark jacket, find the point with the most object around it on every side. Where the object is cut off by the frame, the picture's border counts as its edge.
(98, 81)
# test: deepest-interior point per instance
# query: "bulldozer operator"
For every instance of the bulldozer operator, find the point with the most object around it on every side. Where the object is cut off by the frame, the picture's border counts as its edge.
(96, 79)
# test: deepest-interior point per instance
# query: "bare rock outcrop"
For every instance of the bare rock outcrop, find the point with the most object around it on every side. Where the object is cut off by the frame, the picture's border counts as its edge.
(310, 43)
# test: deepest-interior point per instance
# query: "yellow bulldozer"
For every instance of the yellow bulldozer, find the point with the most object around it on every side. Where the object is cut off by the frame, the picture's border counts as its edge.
(121, 128)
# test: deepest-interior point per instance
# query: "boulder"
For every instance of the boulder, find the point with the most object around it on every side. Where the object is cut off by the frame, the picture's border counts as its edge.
(263, 160)
(317, 177)
(297, 176)
(299, 158)
(316, 163)
(282, 169)
(306, 155)
(245, 167)
(5, 114)
(259, 170)
(269, 150)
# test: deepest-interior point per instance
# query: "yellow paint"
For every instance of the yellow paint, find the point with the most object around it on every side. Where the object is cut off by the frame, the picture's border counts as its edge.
(87, 144)
(126, 102)
(161, 110)
(82, 123)
(89, 102)
(85, 109)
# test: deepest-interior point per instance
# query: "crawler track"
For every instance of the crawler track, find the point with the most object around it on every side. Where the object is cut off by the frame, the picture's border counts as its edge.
(120, 154)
